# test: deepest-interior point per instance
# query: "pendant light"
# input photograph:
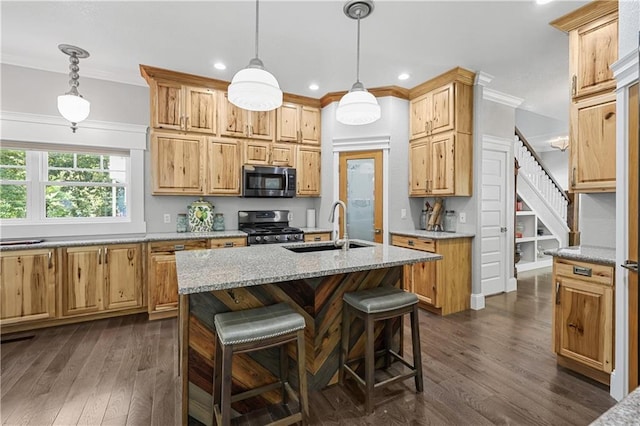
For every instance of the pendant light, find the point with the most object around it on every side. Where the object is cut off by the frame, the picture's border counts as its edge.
(358, 106)
(72, 106)
(254, 88)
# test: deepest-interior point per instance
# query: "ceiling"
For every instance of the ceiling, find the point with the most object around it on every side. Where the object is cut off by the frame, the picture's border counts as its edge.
(303, 42)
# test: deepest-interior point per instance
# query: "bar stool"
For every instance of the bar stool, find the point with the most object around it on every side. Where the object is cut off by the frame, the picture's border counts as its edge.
(381, 303)
(251, 330)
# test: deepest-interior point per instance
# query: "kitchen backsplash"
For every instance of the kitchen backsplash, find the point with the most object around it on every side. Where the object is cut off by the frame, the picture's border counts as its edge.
(598, 220)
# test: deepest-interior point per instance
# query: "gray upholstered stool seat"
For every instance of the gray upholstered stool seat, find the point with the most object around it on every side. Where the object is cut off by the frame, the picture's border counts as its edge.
(380, 299)
(379, 304)
(251, 330)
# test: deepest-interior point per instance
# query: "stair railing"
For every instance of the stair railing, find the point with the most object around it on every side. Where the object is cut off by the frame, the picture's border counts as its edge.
(531, 167)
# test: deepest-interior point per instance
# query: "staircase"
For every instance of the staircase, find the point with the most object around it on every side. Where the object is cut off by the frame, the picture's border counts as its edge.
(537, 188)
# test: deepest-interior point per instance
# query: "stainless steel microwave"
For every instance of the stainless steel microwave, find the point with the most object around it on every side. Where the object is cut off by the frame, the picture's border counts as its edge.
(268, 181)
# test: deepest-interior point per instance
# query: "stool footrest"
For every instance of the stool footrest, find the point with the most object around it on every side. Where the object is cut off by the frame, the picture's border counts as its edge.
(255, 392)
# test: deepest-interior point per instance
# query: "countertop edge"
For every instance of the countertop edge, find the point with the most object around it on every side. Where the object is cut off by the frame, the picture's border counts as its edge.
(599, 255)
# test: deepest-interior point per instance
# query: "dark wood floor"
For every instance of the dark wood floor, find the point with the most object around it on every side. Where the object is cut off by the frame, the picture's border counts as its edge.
(493, 366)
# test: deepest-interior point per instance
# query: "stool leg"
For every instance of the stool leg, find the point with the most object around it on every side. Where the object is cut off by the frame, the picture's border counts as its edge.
(217, 379)
(227, 353)
(284, 371)
(417, 354)
(302, 378)
(344, 347)
(369, 363)
(387, 342)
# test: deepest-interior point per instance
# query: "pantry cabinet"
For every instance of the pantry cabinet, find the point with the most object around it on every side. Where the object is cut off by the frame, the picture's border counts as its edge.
(27, 286)
(177, 163)
(223, 167)
(308, 171)
(442, 286)
(181, 107)
(583, 335)
(266, 153)
(241, 123)
(298, 123)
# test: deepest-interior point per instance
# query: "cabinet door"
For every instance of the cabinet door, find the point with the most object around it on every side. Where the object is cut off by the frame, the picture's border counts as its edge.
(308, 171)
(593, 144)
(177, 164)
(310, 125)
(288, 116)
(441, 165)
(441, 114)
(262, 125)
(200, 110)
(224, 167)
(418, 157)
(83, 280)
(283, 155)
(424, 283)
(27, 286)
(163, 283)
(256, 152)
(584, 323)
(166, 103)
(123, 276)
(418, 111)
(234, 121)
(594, 47)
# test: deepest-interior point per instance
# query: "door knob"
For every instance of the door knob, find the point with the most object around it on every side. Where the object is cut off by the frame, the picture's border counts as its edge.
(630, 265)
(503, 229)
(377, 231)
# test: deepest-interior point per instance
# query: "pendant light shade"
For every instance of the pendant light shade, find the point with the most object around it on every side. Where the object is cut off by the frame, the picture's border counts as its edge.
(254, 88)
(358, 106)
(72, 106)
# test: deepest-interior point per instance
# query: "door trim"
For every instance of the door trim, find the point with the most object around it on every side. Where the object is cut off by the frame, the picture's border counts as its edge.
(373, 143)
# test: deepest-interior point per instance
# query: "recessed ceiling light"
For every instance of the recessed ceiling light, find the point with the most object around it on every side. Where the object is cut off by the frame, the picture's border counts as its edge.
(219, 66)
(313, 86)
(403, 76)
(543, 1)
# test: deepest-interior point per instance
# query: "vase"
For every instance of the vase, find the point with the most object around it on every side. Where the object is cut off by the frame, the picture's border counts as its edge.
(218, 222)
(200, 216)
(182, 224)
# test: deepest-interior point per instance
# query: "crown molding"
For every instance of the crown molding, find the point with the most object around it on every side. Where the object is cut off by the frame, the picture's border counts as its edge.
(585, 14)
(501, 98)
(483, 78)
(625, 69)
(454, 75)
(378, 92)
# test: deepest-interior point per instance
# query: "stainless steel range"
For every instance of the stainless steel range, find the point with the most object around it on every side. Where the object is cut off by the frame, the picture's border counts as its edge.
(268, 227)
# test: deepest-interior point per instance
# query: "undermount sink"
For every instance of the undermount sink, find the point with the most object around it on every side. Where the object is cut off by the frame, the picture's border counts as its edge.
(323, 247)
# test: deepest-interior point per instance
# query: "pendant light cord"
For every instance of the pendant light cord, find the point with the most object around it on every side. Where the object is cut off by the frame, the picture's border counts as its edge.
(358, 51)
(257, 11)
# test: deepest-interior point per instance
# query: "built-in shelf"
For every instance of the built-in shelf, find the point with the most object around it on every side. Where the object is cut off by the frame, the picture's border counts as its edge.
(530, 244)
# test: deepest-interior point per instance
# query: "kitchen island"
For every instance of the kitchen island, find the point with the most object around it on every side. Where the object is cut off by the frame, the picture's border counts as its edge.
(215, 281)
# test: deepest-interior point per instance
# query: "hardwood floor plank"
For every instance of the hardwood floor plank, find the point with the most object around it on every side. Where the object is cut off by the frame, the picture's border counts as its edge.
(164, 392)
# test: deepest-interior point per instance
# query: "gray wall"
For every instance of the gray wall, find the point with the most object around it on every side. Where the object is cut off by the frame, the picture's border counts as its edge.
(598, 220)
(557, 163)
(629, 25)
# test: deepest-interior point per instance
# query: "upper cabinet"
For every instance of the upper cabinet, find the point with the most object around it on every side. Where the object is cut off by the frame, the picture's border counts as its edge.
(593, 47)
(240, 123)
(177, 163)
(432, 112)
(298, 123)
(180, 107)
(223, 167)
(308, 172)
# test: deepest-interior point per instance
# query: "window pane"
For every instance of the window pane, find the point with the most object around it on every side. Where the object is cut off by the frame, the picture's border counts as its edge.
(13, 201)
(85, 201)
(60, 159)
(10, 173)
(13, 157)
(89, 161)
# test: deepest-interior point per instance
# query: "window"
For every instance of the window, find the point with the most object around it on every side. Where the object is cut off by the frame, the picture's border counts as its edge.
(50, 186)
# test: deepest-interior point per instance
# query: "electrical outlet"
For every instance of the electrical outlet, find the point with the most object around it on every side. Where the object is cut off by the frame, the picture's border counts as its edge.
(403, 213)
(167, 218)
(290, 217)
(463, 217)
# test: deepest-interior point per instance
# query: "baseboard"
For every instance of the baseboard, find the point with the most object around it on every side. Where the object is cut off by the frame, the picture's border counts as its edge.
(477, 301)
(512, 285)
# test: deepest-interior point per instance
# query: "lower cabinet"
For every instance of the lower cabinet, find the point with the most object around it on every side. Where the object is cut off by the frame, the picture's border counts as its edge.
(442, 286)
(162, 277)
(27, 286)
(101, 278)
(583, 317)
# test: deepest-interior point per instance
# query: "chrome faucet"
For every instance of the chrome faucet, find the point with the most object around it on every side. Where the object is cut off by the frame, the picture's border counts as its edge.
(340, 242)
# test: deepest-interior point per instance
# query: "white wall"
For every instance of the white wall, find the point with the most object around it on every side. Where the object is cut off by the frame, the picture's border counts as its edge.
(539, 129)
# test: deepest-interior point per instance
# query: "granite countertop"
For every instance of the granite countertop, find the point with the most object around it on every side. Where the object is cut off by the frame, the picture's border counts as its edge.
(436, 235)
(603, 255)
(624, 412)
(160, 236)
(208, 270)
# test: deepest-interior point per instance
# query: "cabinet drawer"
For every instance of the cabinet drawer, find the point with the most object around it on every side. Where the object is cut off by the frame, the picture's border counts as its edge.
(323, 236)
(424, 244)
(227, 242)
(583, 271)
(177, 245)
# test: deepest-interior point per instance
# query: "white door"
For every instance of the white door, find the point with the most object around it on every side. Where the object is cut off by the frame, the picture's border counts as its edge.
(496, 172)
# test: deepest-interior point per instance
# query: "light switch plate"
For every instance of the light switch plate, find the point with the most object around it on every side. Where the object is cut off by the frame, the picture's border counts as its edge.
(290, 217)
(403, 213)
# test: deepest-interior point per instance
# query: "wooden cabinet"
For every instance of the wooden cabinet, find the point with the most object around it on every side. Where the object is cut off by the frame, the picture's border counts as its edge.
(223, 167)
(162, 278)
(27, 286)
(241, 123)
(583, 317)
(442, 286)
(441, 165)
(308, 171)
(298, 123)
(177, 163)
(318, 236)
(432, 112)
(186, 108)
(593, 144)
(267, 153)
(101, 278)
